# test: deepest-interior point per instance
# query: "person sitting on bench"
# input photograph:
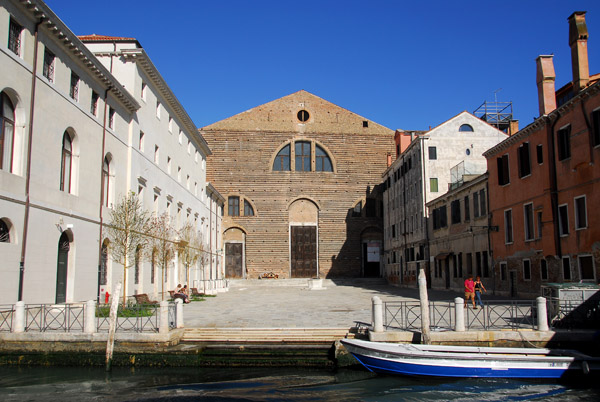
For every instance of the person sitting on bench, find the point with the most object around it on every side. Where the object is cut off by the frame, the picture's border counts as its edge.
(180, 294)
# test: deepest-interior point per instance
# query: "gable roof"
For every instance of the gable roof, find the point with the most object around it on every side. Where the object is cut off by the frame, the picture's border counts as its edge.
(281, 115)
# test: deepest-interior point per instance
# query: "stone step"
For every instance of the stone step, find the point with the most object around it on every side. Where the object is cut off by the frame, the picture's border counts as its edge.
(265, 335)
(304, 282)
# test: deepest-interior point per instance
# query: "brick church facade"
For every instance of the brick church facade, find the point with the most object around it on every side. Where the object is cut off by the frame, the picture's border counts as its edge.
(301, 177)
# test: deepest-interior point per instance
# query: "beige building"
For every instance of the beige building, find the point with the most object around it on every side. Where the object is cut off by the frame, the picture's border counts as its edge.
(458, 227)
(301, 177)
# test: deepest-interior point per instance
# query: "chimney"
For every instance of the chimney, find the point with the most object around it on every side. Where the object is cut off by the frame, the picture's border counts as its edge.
(578, 36)
(513, 127)
(389, 160)
(545, 84)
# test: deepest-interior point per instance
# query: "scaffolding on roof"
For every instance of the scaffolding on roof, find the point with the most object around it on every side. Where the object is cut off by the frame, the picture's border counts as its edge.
(497, 114)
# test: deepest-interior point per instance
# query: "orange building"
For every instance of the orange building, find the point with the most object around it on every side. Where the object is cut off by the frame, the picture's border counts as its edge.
(544, 183)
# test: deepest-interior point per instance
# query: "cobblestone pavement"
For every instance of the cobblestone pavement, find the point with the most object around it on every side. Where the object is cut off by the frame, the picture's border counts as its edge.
(249, 304)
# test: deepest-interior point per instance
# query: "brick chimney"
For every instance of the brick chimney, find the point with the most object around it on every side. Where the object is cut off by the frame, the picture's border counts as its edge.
(578, 36)
(545, 83)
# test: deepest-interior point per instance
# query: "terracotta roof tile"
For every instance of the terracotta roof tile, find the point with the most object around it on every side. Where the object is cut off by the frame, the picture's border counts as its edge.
(100, 38)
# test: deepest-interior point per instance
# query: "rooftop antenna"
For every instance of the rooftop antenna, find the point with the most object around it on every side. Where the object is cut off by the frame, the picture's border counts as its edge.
(496, 93)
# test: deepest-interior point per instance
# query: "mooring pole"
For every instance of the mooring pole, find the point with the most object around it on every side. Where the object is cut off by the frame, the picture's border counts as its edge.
(112, 325)
(424, 307)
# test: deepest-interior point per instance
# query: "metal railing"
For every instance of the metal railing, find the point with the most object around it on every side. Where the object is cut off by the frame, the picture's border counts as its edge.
(495, 315)
(6, 317)
(55, 317)
(574, 313)
(131, 318)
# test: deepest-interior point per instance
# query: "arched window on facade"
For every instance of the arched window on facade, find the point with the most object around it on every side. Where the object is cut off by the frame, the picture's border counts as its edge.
(7, 131)
(248, 210)
(302, 149)
(104, 263)
(105, 181)
(465, 128)
(323, 163)
(66, 163)
(4, 232)
(282, 160)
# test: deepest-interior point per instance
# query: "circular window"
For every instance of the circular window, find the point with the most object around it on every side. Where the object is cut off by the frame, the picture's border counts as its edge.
(303, 115)
(468, 151)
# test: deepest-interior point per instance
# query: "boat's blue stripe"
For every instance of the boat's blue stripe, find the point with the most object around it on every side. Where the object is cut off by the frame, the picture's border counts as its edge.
(392, 367)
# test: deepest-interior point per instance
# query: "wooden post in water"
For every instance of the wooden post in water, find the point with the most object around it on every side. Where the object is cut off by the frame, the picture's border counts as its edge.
(425, 339)
(112, 325)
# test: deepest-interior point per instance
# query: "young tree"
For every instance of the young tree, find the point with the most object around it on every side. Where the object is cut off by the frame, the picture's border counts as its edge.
(162, 235)
(127, 231)
(190, 248)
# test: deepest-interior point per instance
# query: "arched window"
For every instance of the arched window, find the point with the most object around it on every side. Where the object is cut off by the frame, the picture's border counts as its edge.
(65, 169)
(248, 210)
(105, 181)
(302, 149)
(7, 130)
(465, 128)
(4, 232)
(323, 163)
(282, 160)
(62, 268)
(104, 263)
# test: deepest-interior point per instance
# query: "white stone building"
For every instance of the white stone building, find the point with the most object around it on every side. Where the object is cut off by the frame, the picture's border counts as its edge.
(421, 173)
(67, 124)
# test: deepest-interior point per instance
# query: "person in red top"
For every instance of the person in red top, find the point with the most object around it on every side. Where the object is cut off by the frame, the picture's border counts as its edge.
(470, 291)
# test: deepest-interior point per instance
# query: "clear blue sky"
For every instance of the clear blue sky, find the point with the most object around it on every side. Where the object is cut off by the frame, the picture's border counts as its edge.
(403, 64)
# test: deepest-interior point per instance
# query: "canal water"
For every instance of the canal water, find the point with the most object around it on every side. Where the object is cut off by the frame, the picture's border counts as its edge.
(60, 384)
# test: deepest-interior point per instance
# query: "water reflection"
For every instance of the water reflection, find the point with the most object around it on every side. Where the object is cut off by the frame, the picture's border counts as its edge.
(266, 384)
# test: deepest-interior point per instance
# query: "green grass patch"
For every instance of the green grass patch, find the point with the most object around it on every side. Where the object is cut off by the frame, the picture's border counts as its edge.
(133, 310)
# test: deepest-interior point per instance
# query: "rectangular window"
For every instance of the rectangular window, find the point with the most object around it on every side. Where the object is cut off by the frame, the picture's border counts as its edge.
(111, 118)
(14, 37)
(168, 164)
(503, 271)
(523, 159)
(566, 265)
(469, 264)
(234, 206)
(302, 149)
(460, 265)
(503, 171)
(467, 210)
(393, 231)
(48, 69)
(580, 213)
(143, 92)
(544, 270)
(539, 224)
(171, 126)
(455, 211)
(508, 231)
(158, 109)
(156, 154)
(596, 128)
(563, 220)
(433, 185)
(540, 154)
(482, 202)
(528, 221)
(141, 143)
(586, 268)
(478, 263)
(74, 87)
(432, 153)
(94, 104)
(527, 270)
(486, 268)
(475, 205)
(179, 174)
(564, 143)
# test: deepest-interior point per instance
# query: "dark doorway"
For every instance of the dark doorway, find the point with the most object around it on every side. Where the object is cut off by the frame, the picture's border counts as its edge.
(513, 283)
(304, 251)
(447, 271)
(371, 252)
(61, 268)
(233, 260)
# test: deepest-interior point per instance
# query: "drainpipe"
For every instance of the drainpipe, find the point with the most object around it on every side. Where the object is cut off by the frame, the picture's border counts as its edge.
(28, 169)
(102, 191)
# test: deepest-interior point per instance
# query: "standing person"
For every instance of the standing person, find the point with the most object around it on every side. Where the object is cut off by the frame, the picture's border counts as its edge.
(478, 288)
(470, 291)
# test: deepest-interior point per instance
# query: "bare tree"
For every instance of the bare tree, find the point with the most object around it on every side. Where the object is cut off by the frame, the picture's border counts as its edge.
(162, 235)
(127, 232)
(190, 248)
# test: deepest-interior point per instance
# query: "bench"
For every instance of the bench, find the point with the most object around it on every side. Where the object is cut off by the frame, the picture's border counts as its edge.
(176, 295)
(143, 298)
